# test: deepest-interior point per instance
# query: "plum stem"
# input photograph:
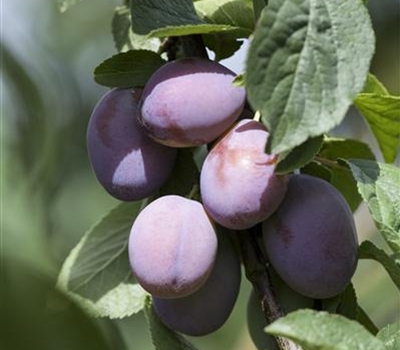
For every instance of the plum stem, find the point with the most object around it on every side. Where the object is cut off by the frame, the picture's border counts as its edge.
(193, 46)
(257, 273)
(183, 46)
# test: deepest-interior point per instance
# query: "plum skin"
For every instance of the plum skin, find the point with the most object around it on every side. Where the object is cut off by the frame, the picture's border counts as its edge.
(172, 247)
(126, 162)
(238, 185)
(190, 101)
(311, 240)
(206, 310)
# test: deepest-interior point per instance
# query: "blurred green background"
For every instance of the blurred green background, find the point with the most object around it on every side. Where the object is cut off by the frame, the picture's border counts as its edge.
(49, 196)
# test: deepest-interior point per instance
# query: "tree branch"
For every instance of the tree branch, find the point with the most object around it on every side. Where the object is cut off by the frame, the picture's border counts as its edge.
(183, 46)
(257, 273)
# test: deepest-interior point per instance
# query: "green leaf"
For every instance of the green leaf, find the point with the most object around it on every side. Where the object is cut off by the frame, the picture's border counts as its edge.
(124, 38)
(224, 45)
(97, 272)
(192, 29)
(379, 186)
(365, 320)
(128, 69)
(382, 113)
(121, 28)
(306, 64)
(235, 13)
(368, 250)
(64, 5)
(156, 18)
(346, 305)
(299, 156)
(318, 170)
(240, 80)
(258, 6)
(162, 337)
(390, 336)
(341, 176)
(315, 330)
(150, 15)
(374, 86)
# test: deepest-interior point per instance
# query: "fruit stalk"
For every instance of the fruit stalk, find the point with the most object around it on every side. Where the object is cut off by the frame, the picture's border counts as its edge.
(257, 274)
(183, 46)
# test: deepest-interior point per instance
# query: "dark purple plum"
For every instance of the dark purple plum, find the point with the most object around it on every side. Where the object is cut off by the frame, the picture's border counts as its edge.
(311, 240)
(127, 163)
(190, 101)
(206, 310)
(238, 185)
(172, 247)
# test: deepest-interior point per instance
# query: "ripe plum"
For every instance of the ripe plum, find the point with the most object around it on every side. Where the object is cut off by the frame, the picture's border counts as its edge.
(172, 247)
(127, 163)
(207, 309)
(238, 185)
(190, 101)
(311, 240)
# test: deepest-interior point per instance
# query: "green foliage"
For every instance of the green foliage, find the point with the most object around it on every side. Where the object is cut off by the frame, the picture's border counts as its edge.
(378, 185)
(237, 14)
(298, 75)
(124, 38)
(307, 63)
(157, 18)
(344, 304)
(390, 336)
(35, 316)
(97, 273)
(368, 250)
(319, 330)
(299, 156)
(128, 69)
(341, 176)
(258, 6)
(382, 113)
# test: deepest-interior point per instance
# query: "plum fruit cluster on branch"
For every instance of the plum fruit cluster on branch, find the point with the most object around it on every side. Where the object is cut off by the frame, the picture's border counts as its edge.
(181, 250)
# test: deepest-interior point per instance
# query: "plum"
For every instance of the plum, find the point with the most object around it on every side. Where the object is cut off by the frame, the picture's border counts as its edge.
(190, 101)
(311, 240)
(206, 310)
(238, 185)
(126, 162)
(172, 247)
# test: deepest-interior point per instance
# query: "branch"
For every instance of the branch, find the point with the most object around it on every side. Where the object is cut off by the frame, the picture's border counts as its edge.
(183, 46)
(257, 274)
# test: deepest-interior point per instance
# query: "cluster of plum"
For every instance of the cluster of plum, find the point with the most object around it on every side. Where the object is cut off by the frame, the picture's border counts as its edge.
(180, 249)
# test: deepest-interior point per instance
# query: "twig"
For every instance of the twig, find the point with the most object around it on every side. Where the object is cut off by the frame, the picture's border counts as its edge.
(257, 274)
(183, 46)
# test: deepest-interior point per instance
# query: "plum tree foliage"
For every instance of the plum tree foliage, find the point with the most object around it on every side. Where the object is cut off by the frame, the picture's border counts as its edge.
(214, 158)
